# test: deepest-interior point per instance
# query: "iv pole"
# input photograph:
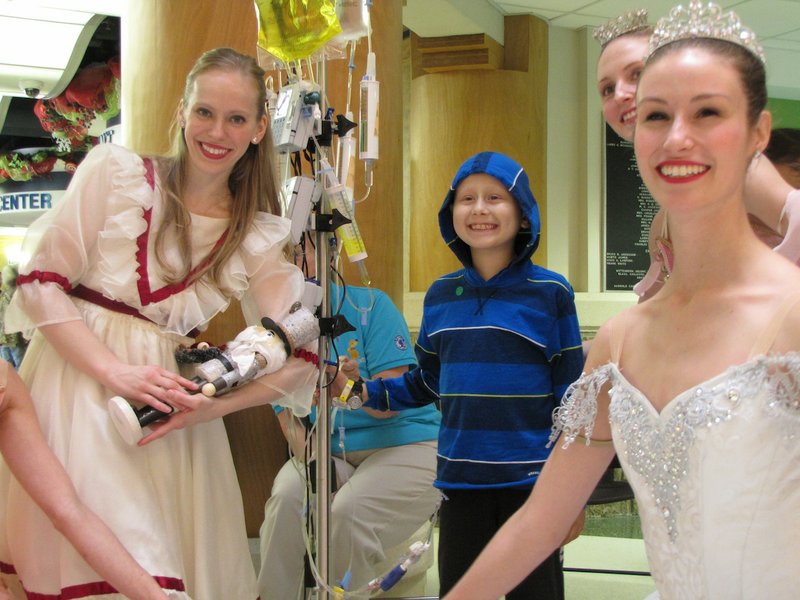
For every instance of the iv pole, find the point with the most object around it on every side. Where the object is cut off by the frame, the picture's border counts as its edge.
(324, 473)
(325, 225)
(323, 438)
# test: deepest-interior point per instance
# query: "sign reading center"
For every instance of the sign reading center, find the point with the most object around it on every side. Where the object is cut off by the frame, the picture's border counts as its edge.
(21, 202)
(26, 201)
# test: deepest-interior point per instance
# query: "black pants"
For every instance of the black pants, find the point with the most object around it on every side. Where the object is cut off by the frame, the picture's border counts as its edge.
(468, 519)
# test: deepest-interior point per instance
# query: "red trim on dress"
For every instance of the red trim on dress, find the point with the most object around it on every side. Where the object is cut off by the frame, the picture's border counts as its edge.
(45, 277)
(95, 297)
(7, 568)
(149, 173)
(145, 294)
(141, 259)
(96, 588)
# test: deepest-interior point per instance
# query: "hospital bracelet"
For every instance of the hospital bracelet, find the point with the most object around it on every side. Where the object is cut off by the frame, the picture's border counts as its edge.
(351, 394)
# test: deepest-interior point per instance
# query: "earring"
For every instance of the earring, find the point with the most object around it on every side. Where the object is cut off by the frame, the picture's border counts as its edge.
(255, 140)
(182, 124)
(754, 161)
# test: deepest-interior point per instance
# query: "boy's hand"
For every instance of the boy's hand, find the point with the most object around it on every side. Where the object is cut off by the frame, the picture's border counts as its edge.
(349, 367)
(337, 384)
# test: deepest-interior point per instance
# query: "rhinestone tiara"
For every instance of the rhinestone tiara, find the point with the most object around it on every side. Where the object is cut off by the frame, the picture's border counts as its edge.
(704, 20)
(630, 22)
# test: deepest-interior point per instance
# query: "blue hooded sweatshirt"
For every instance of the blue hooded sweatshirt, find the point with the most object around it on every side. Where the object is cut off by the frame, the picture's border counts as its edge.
(497, 355)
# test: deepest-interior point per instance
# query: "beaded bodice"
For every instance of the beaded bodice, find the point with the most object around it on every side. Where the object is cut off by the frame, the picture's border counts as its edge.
(716, 475)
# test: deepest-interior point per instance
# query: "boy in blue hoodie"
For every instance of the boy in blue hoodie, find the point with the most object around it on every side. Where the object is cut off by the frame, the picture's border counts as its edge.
(498, 345)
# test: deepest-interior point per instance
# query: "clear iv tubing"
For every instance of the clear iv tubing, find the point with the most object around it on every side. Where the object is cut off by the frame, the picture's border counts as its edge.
(345, 152)
(349, 233)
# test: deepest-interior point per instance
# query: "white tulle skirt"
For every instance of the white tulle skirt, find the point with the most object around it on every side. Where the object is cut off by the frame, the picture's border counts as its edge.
(175, 504)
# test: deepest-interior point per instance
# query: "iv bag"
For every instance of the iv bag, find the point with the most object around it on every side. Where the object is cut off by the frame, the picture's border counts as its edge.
(353, 18)
(294, 29)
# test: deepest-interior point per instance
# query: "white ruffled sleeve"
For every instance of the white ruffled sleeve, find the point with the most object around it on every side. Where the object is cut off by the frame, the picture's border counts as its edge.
(274, 287)
(578, 411)
(58, 244)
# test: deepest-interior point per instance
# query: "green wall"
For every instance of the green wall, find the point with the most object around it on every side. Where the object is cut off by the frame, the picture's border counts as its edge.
(785, 113)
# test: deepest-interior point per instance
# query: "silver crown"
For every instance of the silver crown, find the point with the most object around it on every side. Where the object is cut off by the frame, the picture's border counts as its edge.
(704, 20)
(630, 22)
